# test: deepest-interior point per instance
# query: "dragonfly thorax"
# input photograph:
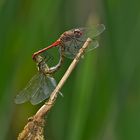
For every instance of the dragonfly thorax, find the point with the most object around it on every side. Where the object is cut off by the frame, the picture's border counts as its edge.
(70, 35)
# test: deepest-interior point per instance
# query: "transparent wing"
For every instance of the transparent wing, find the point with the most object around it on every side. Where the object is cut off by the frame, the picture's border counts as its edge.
(31, 88)
(72, 50)
(94, 44)
(92, 31)
(48, 84)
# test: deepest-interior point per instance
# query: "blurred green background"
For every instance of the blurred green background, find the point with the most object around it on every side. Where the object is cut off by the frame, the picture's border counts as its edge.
(102, 96)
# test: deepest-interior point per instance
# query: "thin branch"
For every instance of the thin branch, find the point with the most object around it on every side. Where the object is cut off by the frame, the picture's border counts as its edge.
(35, 127)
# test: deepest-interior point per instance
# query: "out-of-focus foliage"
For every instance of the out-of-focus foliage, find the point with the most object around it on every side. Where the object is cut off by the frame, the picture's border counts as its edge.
(102, 96)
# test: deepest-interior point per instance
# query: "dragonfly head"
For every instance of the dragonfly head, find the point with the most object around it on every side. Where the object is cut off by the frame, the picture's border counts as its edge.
(77, 33)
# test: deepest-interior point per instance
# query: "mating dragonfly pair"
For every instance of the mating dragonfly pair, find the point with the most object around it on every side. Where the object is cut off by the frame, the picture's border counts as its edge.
(42, 84)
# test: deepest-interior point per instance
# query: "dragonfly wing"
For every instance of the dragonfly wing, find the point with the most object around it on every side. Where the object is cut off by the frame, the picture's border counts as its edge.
(92, 31)
(93, 45)
(72, 50)
(47, 86)
(31, 88)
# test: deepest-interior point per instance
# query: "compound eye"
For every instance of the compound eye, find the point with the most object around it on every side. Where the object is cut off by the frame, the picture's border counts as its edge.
(77, 33)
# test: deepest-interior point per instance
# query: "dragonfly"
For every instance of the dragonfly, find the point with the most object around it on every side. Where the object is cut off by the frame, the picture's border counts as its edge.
(71, 41)
(42, 84)
(39, 87)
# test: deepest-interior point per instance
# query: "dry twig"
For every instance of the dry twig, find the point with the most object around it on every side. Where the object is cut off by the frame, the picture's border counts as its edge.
(35, 127)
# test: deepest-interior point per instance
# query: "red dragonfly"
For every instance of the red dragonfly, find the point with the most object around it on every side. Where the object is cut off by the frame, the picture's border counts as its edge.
(72, 40)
